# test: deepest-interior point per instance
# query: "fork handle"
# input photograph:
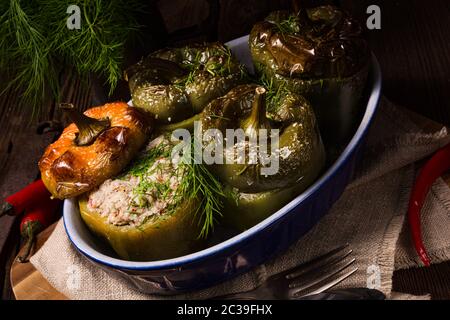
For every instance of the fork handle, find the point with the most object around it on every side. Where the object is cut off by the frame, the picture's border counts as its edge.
(347, 294)
(247, 295)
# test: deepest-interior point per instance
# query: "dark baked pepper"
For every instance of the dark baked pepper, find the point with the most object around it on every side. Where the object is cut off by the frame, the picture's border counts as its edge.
(174, 84)
(320, 53)
(300, 152)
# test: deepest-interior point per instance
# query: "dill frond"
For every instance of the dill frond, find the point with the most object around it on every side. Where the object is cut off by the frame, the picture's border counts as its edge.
(36, 44)
(197, 184)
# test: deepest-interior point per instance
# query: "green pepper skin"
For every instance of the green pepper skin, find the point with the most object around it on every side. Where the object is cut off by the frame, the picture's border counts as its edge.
(245, 210)
(299, 137)
(174, 84)
(321, 54)
(168, 237)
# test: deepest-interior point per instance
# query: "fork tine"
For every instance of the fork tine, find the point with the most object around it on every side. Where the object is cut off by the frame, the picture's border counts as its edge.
(311, 263)
(327, 262)
(313, 281)
(329, 285)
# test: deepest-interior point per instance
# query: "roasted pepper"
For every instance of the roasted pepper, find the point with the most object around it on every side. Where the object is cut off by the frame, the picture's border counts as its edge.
(176, 83)
(300, 153)
(97, 146)
(320, 53)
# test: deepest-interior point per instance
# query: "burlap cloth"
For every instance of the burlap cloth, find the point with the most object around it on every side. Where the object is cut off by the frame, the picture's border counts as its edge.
(370, 216)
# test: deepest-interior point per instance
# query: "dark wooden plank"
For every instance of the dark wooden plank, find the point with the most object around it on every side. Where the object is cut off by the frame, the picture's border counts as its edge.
(19, 171)
(19, 161)
(413, 48)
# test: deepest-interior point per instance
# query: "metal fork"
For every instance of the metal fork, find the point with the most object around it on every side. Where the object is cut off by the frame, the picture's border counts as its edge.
(302, 280)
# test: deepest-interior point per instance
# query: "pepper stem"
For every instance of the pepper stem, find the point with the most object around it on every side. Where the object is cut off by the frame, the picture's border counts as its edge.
(32, 228)
(257, 119)
(88, 128)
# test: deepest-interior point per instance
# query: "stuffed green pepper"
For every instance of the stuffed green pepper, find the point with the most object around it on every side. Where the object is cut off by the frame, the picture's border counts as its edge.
(299, 155)
(175, 84)
(151, 211)
(320, 53)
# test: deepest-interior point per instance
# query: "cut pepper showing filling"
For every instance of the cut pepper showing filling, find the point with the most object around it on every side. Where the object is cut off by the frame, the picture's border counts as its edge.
(160, 207)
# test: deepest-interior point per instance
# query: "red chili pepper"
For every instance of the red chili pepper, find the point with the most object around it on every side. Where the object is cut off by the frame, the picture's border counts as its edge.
(26, 198)
(36, 220)
(433, 169)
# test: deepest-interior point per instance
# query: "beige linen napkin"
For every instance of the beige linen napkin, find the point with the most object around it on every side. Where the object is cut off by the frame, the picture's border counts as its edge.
(370, 216)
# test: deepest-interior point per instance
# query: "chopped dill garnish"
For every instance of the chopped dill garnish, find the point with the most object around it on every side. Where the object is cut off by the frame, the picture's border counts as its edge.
(289, 25)
(141, 165)
(196, 184)
(214, 66)
(274, 94)
(216, 116)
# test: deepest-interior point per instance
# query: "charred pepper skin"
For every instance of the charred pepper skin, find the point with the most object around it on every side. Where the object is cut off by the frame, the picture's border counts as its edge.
(174, 84)
(320, 53)
(257, 196)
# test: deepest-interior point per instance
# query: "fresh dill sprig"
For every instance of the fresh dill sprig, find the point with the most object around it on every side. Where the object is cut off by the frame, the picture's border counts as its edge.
(211, 66)
(24, 53)
(36, 44)
(274, 93)
(289, 25)
(197, 184)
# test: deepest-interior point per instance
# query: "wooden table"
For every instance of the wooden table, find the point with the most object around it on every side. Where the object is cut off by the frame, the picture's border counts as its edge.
(412, 47)
(27, 283)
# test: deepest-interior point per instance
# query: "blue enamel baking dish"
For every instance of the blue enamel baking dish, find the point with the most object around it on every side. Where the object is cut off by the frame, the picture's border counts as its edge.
(248, 249)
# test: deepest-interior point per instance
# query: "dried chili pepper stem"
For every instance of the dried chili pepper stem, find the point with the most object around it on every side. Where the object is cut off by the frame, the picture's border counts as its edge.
(30, 230)
(36, 220)
(88, 128)
(24, 199)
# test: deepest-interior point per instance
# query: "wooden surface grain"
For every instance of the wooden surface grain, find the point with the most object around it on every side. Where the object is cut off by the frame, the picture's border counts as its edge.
(27, 283)
(412, 46)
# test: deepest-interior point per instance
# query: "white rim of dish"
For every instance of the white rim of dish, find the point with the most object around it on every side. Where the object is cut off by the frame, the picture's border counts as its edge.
(70, 206)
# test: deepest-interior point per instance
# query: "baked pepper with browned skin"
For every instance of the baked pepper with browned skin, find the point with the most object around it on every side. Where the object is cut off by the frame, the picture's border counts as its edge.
(97, 146)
